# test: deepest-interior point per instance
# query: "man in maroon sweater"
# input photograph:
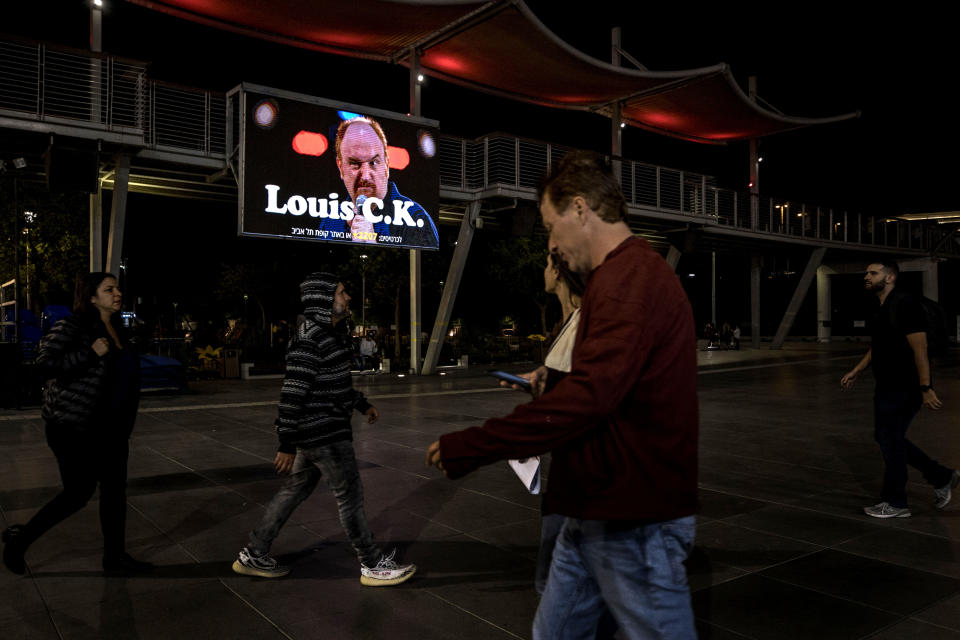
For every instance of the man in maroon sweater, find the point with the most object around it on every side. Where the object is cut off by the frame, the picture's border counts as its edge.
(622, 425)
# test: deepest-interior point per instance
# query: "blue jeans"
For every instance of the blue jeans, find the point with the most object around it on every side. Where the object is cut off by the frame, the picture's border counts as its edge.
(635, 573)
(892, 413)
(337, 464)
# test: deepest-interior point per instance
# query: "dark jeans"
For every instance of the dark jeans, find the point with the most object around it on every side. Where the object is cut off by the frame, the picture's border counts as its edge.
(85, 461)
(337, 464)
(550, 527)
(892, 413)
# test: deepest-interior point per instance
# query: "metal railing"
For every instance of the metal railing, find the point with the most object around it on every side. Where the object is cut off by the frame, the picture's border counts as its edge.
(499, 161)
(9, 312)
(89, 90)
(104, 93)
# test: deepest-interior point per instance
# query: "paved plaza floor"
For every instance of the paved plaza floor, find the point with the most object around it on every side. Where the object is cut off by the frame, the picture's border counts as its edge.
(783, 549)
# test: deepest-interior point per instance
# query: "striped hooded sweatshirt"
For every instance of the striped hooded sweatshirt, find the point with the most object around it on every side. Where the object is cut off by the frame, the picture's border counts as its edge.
(317, 397)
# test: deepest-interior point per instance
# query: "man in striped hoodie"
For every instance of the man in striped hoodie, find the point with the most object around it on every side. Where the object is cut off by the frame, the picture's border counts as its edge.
(316, 438)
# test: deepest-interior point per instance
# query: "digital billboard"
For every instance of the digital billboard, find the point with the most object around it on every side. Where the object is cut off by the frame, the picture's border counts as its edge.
(320, 171)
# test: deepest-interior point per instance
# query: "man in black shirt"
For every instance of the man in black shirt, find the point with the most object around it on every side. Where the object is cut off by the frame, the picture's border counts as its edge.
(898, 352)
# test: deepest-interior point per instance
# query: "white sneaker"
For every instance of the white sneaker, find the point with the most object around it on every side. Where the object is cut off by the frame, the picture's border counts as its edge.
(886, 510)
(386, 573)
(263, 566)
(945, 493)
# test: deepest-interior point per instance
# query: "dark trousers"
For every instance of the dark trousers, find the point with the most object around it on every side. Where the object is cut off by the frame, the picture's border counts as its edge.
(337, 464)
(86, 461)
(892, 413)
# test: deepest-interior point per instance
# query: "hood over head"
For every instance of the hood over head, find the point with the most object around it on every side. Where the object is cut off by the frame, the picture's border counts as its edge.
(316, 293)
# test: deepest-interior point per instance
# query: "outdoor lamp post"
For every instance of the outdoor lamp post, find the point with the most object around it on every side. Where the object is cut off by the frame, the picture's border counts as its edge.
(363, 292)
(28, 217)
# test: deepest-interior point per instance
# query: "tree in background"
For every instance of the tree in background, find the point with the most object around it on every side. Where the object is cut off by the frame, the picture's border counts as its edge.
(57, 239)
(513, 270)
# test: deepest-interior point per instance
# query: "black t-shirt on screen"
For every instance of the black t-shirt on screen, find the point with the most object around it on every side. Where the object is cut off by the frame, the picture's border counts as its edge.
(892, 357)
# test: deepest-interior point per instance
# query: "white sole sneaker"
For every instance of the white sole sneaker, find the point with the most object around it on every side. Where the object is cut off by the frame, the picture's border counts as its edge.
(885, 510)
(373, 581)
(944, 494)
(244, 570)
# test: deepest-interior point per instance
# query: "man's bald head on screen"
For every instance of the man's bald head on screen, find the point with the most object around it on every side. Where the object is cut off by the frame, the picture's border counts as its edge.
(362, 158)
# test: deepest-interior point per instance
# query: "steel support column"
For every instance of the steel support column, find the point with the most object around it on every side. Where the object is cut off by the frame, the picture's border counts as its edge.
(824, 303)
(754, 167)
(415, 310)
(931, 282)
(673, 257)
(96, 231)
(816, 258)
(929, 275)
(118, 213)
(713, 288)
(755, 301)
(450, 288)
(616, 131)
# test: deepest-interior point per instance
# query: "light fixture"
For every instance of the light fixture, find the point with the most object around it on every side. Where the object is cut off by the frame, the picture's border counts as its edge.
(760, 159)
(420, 77)
(623, 124)
(98, 3)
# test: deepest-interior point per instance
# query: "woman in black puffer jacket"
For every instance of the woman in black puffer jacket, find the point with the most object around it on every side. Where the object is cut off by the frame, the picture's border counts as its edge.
(89, 406)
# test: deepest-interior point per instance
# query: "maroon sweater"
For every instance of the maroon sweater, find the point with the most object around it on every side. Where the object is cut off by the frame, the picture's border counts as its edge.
(622, 425)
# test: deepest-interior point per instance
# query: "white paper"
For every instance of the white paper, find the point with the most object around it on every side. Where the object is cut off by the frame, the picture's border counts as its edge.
(529, 473)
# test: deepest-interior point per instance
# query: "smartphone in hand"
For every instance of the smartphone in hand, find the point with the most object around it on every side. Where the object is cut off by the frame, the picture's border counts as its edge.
(509, 377)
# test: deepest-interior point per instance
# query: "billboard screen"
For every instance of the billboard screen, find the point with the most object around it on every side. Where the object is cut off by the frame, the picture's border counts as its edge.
(315, 170)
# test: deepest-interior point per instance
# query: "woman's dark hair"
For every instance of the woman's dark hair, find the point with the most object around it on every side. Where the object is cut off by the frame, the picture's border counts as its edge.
(87, 287)
(573, 280)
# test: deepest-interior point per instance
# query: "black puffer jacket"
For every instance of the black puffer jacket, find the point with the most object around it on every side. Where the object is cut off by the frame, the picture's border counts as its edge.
(78, 380)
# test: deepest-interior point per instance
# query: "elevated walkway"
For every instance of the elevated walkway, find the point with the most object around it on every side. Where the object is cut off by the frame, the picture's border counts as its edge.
(182, 140)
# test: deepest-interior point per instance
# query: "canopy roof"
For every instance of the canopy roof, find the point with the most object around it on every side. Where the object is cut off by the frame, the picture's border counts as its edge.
(502, 48)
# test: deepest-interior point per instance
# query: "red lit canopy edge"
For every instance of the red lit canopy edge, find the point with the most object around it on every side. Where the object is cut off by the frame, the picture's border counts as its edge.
(502, 48)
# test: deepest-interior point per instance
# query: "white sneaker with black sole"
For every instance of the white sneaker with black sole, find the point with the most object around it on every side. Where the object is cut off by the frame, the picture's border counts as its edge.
(886, 510)
(945, 493)
(263, 566)
(386, 573)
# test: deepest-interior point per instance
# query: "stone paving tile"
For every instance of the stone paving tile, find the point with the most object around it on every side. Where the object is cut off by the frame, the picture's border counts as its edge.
(18, 599)
(31, 626)
(369, 617)
(803, 524)
(914, 629)
(747, 549)
(757, 607)
(945, 613)
(174, 613)
(925, 552)
(885, 586)
(784, 478)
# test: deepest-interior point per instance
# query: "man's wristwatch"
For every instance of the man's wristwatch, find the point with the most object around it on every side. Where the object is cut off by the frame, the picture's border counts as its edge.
(925, 387)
